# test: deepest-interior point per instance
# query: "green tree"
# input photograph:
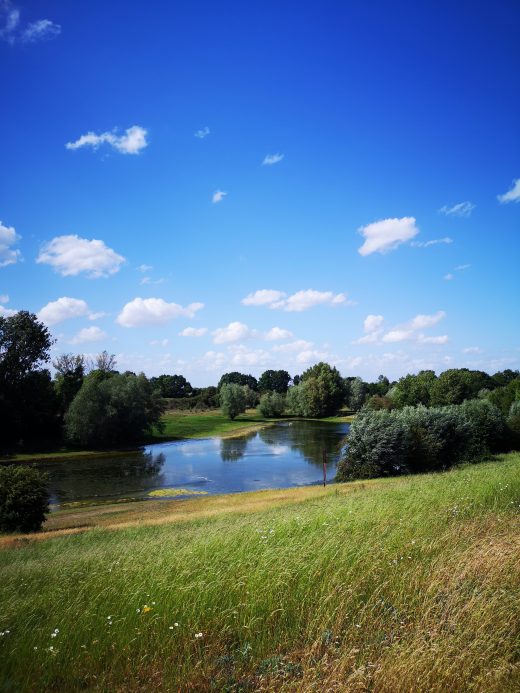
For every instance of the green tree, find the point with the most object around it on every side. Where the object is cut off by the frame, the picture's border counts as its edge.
(175, 386)
(412, 390)
(272, 405)
(114, 411)
(274, 381)
(70, 371)
(24, 499)
(324, 389)
(238, 379)
(28, 407)
(232, 399)
(357, 394)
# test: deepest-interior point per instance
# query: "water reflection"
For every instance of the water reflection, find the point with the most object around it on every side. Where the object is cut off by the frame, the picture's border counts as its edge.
(233, 449)
(283, 455)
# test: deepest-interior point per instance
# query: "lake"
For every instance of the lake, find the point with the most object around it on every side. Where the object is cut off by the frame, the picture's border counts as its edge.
(279, 456)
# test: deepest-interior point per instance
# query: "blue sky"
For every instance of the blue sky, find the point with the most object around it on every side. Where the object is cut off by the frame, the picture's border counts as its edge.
(201, 187)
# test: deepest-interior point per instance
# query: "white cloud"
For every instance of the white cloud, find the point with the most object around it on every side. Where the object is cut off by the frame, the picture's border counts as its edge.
(460, 268)
(13, 32)
(387, 234)
(301, 300)
(311, 355)
(271, 159)
(144, 268)
(132, 142)
(373, 329)
(63, 308)
(41, 30)
(97, 316)
(262, 297)
(242, 356)
(449, 277)
(8, 237)
(202, 133)
(71, 255)
(308, 298)
(512, 195)
(421, 322)
(4, 298)
(298, 345)
(435, 241)
(397, 335)
(7, 312)
(159, 342)
(439, 339)
(233, 332)
(472, 350)
(218, 196)
(153, 311)
(193, 332)
(462, 209)
(89, 334)
(409, 331)
(277, 333)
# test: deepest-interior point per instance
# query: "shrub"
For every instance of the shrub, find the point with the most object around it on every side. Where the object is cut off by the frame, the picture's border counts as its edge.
(24, 499)
(232, 399)
(272, 405)
(420, 439)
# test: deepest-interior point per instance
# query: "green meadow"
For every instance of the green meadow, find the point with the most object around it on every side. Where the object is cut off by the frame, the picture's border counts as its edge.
(387, 585)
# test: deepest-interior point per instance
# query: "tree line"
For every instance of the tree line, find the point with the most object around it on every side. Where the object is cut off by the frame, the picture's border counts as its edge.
(91, 404)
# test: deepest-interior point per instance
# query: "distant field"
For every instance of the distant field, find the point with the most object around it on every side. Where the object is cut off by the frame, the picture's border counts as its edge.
(408, 584)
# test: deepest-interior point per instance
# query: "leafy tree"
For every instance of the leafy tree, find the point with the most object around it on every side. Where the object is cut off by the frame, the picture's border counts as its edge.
(238, 379)
(70, 371)
(272, 405)
(252, 398)
(175, 386)
(503, 378)
(294, 400)
(232, 399)
(274, 381)
(117, 410)
(457, 384)
(24, 499)
(357, 394)
(376, 402)
(105, 362)
(324, 389)
(27, 402)
(503, 397)
(412, 390)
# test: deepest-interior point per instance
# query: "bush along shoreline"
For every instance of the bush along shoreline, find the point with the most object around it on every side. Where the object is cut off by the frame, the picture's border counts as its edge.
(420, 439)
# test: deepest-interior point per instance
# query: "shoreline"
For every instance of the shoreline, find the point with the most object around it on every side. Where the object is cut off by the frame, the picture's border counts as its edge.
(239, 431)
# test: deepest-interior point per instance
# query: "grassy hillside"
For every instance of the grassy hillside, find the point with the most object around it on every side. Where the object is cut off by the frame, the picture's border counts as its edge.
(396, 585)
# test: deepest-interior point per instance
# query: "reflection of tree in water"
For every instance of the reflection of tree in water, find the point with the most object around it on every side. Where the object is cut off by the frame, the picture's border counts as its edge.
(233, 449)
(143, 464)
(307, 437)
(105, 477)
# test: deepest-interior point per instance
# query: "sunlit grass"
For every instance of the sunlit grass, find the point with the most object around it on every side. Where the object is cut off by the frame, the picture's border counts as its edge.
(398, 585)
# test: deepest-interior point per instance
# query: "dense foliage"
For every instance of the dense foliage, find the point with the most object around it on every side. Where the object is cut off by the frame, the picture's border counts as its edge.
(24, 499)
(232, 399)
(238, 379)
(274, 381)
(28, 406)
(272, 405)
(320, 392)
(420, 439)
(116, 410)
(175, 386)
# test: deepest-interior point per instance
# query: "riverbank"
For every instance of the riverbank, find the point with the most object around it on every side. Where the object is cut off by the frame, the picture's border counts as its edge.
(398, 584)
(178, 425)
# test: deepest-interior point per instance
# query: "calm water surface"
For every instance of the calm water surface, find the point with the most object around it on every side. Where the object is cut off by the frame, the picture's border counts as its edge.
(287, 454)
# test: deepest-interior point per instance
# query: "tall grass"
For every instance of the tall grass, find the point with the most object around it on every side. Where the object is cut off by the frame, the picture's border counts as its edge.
(406, 584)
